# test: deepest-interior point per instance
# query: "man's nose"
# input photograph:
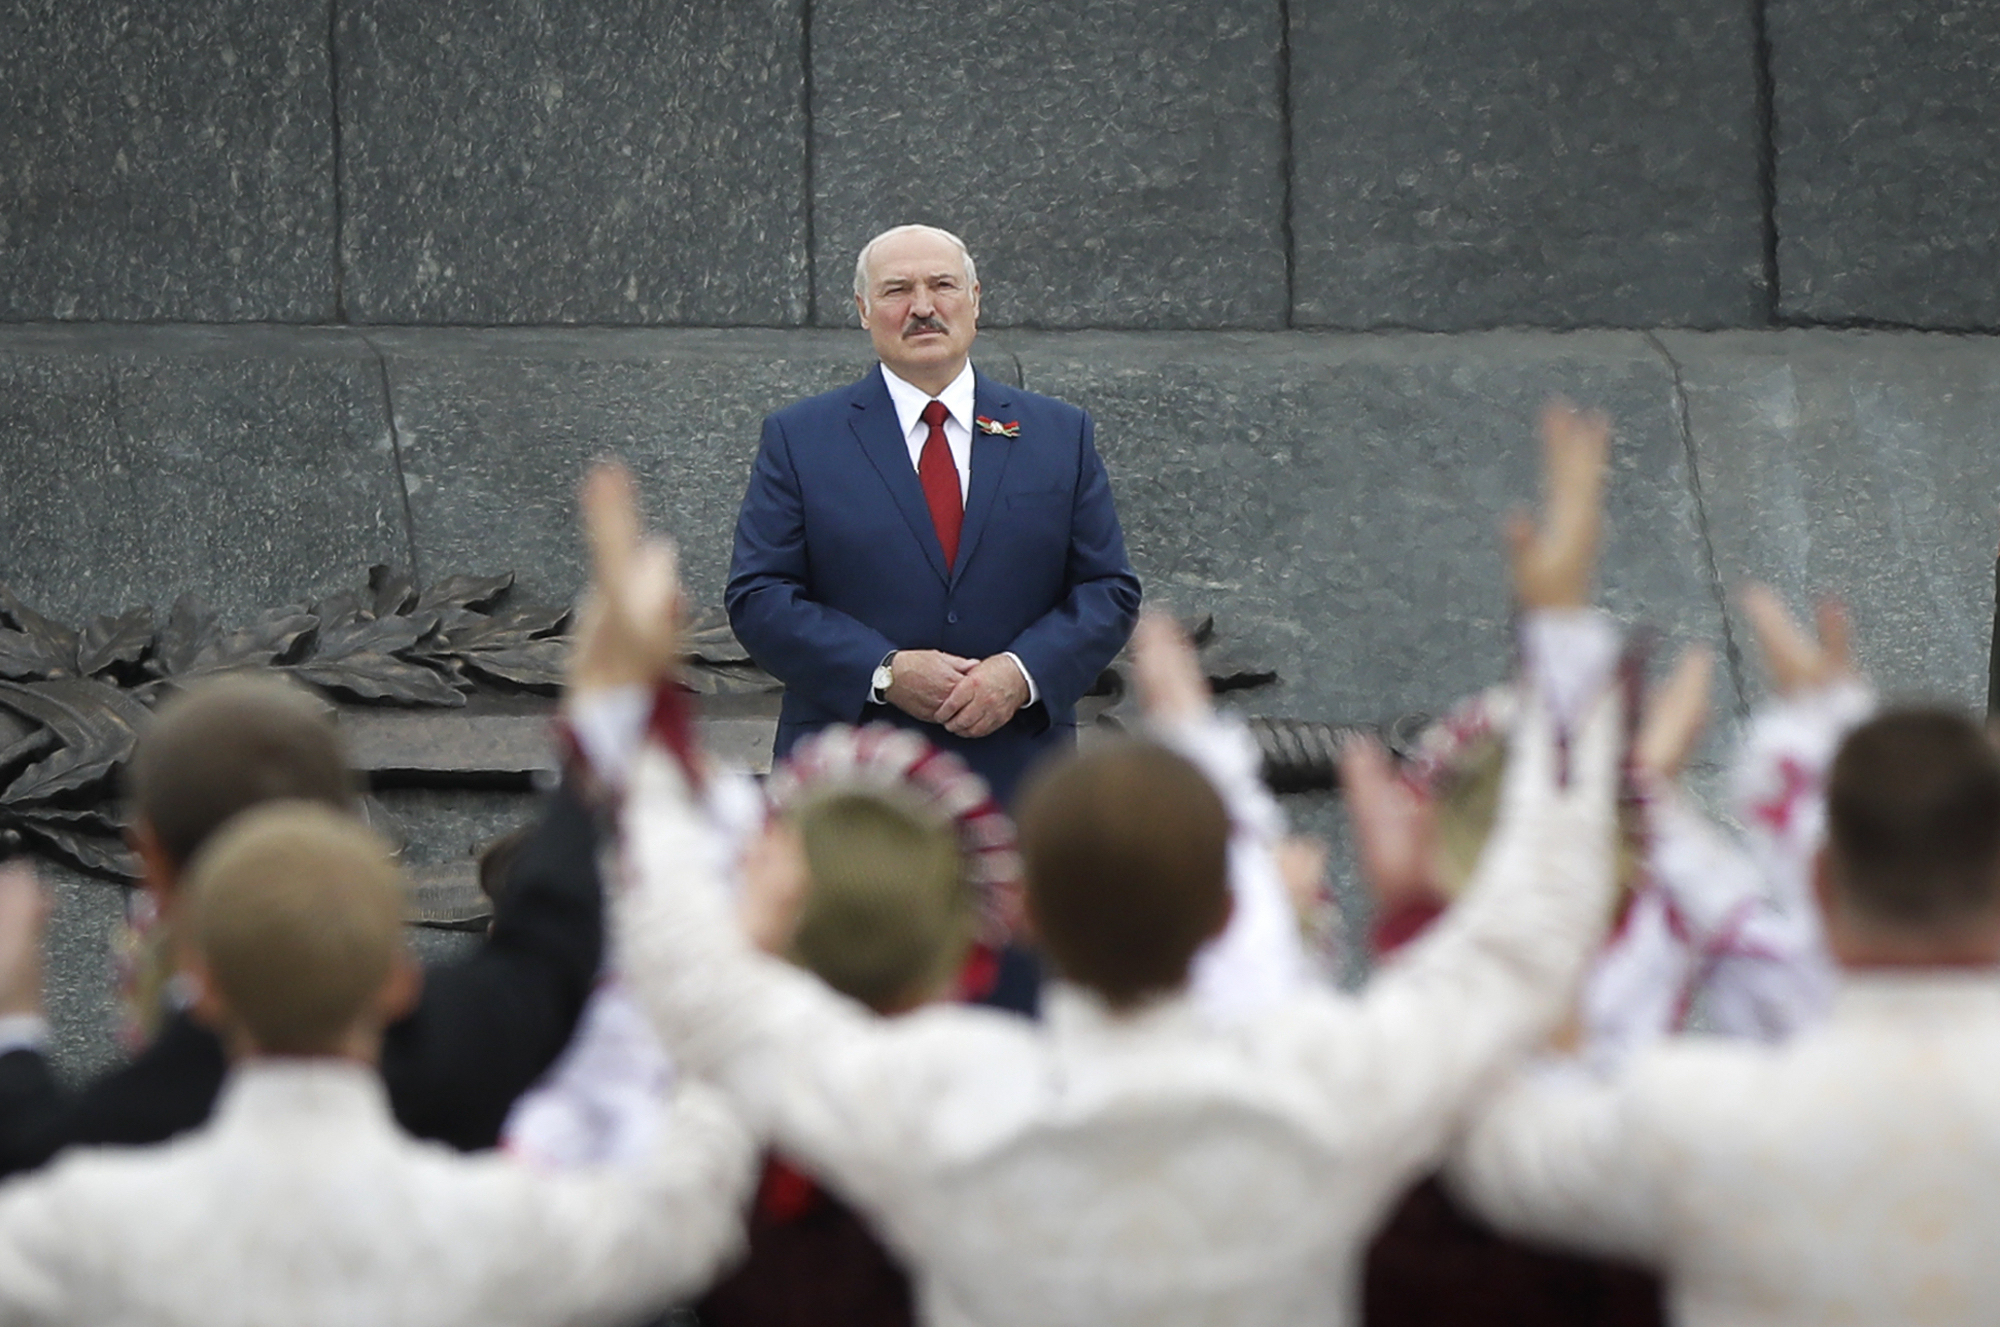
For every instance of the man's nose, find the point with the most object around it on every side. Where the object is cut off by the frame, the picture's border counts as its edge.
(921, 303)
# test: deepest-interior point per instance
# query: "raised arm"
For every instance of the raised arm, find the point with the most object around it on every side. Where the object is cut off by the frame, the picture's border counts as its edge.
(822, 653)
(1779, 781)
(817, 1073)
(1500, 969)
(1259, 958)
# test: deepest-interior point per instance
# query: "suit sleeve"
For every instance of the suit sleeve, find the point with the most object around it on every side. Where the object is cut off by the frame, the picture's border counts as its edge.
(1068, 646)
(823, 654)
(167, 1089)
(489, 1025)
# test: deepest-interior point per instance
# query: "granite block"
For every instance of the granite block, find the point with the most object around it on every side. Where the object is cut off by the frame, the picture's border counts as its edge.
(606, 161)
(250, 466)
(79, 980)
(1335, 502)
(1563, 163)
(1110, 163)
(165, 161)
(498, 427)
(1858, 464)
(1888, 160)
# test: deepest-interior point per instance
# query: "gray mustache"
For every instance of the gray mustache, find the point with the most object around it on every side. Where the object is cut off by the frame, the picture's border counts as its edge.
(922, 325)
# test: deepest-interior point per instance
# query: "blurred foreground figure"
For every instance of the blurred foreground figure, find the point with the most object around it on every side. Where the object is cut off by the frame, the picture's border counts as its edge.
(1131, 1159)
(1843, 1176)
(486, 1026)
(301, 1202)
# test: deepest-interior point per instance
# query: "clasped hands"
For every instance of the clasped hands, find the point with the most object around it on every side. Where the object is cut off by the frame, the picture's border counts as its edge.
(627, 632)
(970, 697)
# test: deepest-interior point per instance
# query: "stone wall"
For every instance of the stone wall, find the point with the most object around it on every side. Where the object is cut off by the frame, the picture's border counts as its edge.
(1129, 164)
(290, 288)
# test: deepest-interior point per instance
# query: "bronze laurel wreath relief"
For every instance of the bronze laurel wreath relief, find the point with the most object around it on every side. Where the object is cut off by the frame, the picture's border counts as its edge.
(72, 700)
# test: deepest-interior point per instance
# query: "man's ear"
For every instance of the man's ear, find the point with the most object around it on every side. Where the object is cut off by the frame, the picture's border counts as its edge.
(401, 989)
(159, 874)
(861, 307)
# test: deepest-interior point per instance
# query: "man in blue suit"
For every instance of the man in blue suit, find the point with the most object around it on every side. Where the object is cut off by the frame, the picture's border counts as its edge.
(928, 546)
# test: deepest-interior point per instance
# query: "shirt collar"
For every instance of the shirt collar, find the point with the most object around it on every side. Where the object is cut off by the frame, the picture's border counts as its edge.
(910, 401)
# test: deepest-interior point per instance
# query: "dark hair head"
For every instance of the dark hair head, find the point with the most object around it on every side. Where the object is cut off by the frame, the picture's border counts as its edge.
(887, 914)
(1913, 820)
(228, 744)
(296, 909)
(1125, 848)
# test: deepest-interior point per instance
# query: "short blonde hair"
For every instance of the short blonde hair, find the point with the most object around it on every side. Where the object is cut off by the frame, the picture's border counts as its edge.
(296, 910)
(868, 249)
(888, 913)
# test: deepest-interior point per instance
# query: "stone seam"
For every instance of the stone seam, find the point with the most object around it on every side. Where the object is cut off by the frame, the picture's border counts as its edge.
(396, 455)
(1732, 653)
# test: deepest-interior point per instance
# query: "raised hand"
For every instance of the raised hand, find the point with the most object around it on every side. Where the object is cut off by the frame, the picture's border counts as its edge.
(24, 913)
(1676, 712)
(1167, 671)
(1552, 563)
(1392, 825)
(1796, 661)
(628, 632)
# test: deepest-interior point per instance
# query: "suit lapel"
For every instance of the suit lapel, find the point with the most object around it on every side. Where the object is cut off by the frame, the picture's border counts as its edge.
(881, 437)
(989, 466)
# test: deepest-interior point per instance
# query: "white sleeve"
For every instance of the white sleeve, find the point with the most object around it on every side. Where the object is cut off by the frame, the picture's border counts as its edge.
(611, 1243)
(826, 1079)
(1553, 1155)
(1568, 656)
(1765, 971)
(1260, 958)
(609, 725)
(40, 1237)
(1778, 785)
(1496, 974)
(600, 1101)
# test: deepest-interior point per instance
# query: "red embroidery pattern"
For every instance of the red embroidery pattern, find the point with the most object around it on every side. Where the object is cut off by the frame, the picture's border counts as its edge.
(1795, 781)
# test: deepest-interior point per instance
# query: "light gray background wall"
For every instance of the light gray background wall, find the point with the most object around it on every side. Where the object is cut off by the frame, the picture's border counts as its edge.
(1311, 263)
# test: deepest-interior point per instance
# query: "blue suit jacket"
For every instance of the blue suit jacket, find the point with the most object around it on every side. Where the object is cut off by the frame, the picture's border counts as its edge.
(837, 563)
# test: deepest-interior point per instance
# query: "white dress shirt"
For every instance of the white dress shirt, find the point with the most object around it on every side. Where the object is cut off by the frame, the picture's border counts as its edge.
(301, 1202)
(1147, 1167)
(1846, 1176)
(957, 398)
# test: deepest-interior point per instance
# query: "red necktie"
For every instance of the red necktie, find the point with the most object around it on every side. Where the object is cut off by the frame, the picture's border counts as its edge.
(938, 473)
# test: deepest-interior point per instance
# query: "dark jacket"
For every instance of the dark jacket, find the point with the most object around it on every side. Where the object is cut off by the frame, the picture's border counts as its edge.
(484, 1029)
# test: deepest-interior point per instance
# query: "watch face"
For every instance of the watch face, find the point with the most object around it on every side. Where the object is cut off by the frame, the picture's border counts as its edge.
(884, 676)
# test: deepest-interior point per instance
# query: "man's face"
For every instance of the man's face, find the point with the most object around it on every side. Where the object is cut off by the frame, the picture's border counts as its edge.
(919, 310)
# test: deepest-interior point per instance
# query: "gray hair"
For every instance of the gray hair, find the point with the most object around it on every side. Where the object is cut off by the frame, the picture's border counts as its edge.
(861, 263)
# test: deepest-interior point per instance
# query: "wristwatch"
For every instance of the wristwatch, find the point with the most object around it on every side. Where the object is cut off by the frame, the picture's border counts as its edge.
(884, 678)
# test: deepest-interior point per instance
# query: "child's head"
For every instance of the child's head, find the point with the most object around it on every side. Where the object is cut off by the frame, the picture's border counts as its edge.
(1126, 853)
(293, 917)
(220, 747)
(887, 915)
(902, 858)
(1458, 767)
